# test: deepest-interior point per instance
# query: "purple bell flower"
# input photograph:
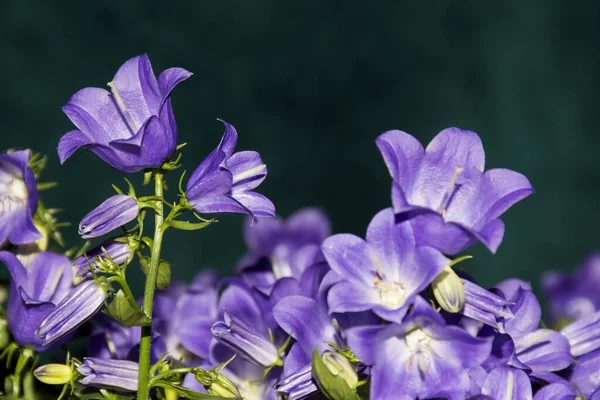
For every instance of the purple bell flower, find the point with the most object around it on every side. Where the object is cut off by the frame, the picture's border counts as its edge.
(576, 295)
(225, 181)
(114, 212)
(299, 385)
(132, 127)
(485, 306)
(421, 357)
(585, 373)
(34, 294)
(78, 306)
(119, 375)
(18, 199)
(119, 253)
(385, 273)
(444, 187)
(583, 335)
(507, 383)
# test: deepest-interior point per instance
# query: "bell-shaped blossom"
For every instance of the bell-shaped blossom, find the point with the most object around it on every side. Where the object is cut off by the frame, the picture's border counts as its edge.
(485, 306)
(298, 385)
(113, 213)
(421, 357)
(225, 181)
(444, 187)
(583, 335)
(130, 127)
(79, 305)
(183, 317)
(18, 199)
(118, 252)
(118, 375)
(34, 294)
(283, 248)
(576, 295)
(385, 273)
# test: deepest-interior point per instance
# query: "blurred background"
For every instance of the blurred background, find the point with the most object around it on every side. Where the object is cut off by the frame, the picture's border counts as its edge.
(310, 85)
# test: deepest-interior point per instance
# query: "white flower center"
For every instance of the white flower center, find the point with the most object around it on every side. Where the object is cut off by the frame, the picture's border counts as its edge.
(392, 294)
(13, 192)
(251, 390)
(418, 342)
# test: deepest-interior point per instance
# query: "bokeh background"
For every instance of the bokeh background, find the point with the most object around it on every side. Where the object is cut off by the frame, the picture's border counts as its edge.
(311, 84)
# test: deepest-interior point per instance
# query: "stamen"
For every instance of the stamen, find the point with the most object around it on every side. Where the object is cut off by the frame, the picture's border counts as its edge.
(449, 190)
(122, 107)
(248, 173)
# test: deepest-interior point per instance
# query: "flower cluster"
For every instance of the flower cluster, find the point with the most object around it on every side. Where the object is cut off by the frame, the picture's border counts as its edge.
(309, 314)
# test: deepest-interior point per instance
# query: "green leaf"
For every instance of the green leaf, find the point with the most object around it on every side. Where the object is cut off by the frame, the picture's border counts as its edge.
(188, 226)
(163, 280)
(332, 386)
(188, 393)
(122, 309)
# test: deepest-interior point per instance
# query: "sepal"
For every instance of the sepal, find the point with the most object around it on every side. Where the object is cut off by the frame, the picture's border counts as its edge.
(333, 380)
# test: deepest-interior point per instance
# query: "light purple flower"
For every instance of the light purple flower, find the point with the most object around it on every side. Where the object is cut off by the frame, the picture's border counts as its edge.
(225, 181)
(583, 335)
(445, 188)
(485, 306)
(557, 391)
(132, 127)
(385, 273)
(78, 306)
(119, 253)
(18, 199)
(280, 249)
(34, 293)
(114, 212)
(576, 295)
(507, 383)
(119, 375)
(585, 374)
(421, 357)
(298, 385)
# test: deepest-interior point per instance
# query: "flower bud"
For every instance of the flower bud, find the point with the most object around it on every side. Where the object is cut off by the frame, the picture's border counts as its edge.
(485, 306)
(339, 365)
(118, 252)
(54, 374)
(217, 384)
(298, 385)
(119, 375)
(449, 291)
(77, 307)
(245, 341)
(4, 334)
(114, 212)
(583, 335)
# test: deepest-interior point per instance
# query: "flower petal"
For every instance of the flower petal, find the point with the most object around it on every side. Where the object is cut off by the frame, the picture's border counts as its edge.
(71, 142)
(350, 257)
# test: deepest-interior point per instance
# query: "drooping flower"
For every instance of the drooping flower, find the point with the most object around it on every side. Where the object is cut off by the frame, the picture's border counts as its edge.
(78, 306)
(280, 249)
(385, 273)
(34, 294)
(576, 295)
(132, 127)
(225, 181)
(114, 212)
(445, 189)
(18, 199)
(119, 375)
(422, 357)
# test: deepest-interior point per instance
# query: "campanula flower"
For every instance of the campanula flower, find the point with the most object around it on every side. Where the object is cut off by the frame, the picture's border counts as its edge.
(485, 306)
(119, 375)
(585, 373)
(112, 340)
(419, 358)
(118, 252)
(385, 273)
(507, 383)
(444, 187)
(576, 295)
(298, 385)
(114, 212)
(34, 294)
(80, 304)
(130, 127)
(283, 248)
(225, 181)
(18, 199)
(583, 335)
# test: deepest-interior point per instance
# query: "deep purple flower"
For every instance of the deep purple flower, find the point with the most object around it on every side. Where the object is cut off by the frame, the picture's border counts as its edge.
(558, 391)
(80, 304)
(385, 273)
(119, 375)
(18, 199)
(114, 212)
(34, 293)
(280, 249)
(298, 385)
(422, 357)
(132, 127)
(225, 181)
(573, 296)
(455, 202)
(112, 340)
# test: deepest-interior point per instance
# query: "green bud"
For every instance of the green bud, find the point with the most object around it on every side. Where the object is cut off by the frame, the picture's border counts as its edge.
(217, 384)
(339, 365)
(4, 334)
(449, 291)
(54, 374)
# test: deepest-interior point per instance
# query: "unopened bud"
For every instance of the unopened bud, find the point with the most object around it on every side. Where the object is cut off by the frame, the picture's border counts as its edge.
(339, 365)
(54, 374)
(217, 384)
(449, 291)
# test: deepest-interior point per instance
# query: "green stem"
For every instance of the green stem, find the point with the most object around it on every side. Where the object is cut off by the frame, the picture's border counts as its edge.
(145, 344)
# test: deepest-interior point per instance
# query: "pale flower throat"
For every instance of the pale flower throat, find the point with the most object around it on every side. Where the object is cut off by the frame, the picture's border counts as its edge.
(392, 294)
(449, 191)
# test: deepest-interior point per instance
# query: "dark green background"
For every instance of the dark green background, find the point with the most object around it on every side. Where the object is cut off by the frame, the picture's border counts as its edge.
(311, 84)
